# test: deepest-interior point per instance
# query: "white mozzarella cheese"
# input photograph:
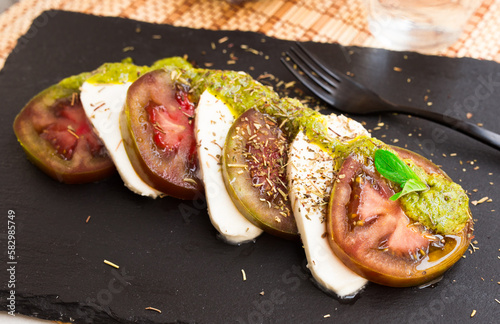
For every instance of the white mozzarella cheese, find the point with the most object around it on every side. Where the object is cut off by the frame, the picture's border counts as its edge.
(103, 105)
(311, 174)
(212, 123)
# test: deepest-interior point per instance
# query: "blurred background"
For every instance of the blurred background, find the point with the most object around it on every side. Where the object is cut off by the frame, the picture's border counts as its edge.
(4, 4)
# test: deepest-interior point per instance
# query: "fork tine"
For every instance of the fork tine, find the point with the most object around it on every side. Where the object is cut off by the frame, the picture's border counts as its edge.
(314, 65)
(306, 68)
(320, 68)
(310, 84)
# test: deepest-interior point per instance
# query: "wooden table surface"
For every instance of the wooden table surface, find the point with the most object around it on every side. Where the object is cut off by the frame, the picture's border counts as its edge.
(342, 21)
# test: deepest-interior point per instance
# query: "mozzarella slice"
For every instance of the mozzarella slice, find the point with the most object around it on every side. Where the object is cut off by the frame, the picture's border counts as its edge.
(212, 123)
(344, 128)
(103, 105)
(311, 175)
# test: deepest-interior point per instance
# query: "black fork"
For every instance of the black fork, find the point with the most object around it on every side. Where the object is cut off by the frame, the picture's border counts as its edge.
(349, 96)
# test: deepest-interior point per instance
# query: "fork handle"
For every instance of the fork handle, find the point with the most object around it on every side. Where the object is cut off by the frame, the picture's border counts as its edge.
(483, 135)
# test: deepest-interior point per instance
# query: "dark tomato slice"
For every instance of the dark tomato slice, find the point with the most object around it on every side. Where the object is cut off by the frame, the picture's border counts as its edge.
(254, 160)
(372, 235)
(57, 137)
(158, 132)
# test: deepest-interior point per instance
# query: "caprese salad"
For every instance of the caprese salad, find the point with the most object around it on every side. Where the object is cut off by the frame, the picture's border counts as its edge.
(364, 210)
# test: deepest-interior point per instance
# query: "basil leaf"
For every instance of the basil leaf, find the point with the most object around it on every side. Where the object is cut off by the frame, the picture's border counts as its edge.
(411, 185)
(392, 167)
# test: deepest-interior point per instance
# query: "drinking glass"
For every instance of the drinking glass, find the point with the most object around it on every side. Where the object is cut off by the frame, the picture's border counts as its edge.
(424, 25)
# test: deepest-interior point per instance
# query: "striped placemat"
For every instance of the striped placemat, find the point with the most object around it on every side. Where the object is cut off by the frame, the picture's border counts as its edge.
(342, 21)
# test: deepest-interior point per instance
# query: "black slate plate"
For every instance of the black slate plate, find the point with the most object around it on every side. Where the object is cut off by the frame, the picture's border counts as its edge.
(167, 250)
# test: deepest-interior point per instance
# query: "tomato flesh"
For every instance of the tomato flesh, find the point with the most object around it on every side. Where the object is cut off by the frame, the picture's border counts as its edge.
(372, 235)
(370, 210)
(70, 127)
(173, 128)
(58, 138)
(158, 132)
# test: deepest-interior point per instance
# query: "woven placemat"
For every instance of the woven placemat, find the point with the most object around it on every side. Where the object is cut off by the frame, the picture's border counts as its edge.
(342, 21)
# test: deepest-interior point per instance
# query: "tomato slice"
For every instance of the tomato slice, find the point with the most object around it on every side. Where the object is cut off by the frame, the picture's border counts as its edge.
(58, 137)
(372, 235)
(253, 168)
(158, 132)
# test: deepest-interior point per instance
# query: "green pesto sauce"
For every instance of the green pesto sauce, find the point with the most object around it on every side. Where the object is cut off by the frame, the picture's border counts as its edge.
(66, 87)
(241, 92)
(74, 82)
(362, 146)
(443, 208)
(119, 72)
(126, 71)
(171, 63)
